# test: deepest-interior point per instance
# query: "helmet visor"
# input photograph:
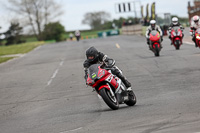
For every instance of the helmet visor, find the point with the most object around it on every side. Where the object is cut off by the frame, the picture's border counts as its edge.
(152, 25)
(90, 57)
(175, 22)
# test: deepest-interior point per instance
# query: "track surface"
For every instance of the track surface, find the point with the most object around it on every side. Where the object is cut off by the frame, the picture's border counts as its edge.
(44, 91)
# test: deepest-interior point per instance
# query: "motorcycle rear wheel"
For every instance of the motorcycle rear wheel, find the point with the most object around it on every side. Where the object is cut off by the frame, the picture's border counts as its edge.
(131, 100)
(109, 99)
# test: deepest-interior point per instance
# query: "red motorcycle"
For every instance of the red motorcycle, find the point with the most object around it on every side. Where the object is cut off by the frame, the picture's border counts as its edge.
(155, 42)
(176, 36)
(197, 36)
(109, 87)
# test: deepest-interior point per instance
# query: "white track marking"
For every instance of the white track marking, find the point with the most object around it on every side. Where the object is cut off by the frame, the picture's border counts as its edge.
(55, 73)
(190, 43)
(117, 45)
(72, 130)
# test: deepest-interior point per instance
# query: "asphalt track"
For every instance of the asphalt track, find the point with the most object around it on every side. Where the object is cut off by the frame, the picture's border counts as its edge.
(44, 91)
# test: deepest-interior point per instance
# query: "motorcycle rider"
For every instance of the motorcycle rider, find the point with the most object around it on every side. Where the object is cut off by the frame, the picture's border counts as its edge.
(94, 56)
(77, 34)
(174, 23)
(153, 26)
(195, 24)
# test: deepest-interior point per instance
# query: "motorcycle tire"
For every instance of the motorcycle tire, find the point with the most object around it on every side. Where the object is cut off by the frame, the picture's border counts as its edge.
(157, 51)
(108, 99)
(131, 100)
(177, 45)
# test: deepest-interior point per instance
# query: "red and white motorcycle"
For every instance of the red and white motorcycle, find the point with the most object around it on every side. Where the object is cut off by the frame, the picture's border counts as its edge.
(109, 87)
(176, 36)
(197, 36)
(155, 45)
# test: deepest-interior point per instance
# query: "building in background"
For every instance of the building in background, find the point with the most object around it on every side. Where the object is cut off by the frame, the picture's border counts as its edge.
(194, 10)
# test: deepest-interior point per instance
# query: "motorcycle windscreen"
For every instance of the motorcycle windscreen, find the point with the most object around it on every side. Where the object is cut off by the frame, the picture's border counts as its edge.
(154, 32)
(93, 71)
(177, 30)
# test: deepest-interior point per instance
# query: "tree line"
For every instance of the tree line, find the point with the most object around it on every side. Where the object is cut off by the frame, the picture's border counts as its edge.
(101, 20)
(36, 17)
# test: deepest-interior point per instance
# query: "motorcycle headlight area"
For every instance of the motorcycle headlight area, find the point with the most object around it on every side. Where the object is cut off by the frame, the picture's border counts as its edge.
(90, 82)
(101, 74)
(179, 33)
(174, 33)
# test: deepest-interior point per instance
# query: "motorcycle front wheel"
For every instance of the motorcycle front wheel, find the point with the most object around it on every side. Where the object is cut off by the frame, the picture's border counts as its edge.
(177, 45)
(110, 100)
(157, 51)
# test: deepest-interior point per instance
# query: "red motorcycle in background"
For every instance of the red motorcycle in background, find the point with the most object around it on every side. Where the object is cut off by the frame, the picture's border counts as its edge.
(197, 36)
(155, 42)
(109, 87)
(176, 36)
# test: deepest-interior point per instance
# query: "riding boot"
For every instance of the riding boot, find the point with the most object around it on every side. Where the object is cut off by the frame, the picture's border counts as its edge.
(196, 44)
(171, 41)
(193, 39)
(161, 45)
(148, 41)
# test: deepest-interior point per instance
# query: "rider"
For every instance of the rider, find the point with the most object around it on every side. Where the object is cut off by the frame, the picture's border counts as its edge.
(174, 23)
(195, 24)
(77, 34)
(153, 26)
(93, 57)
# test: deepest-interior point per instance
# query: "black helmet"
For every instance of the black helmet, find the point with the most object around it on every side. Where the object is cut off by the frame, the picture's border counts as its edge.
(92, 52)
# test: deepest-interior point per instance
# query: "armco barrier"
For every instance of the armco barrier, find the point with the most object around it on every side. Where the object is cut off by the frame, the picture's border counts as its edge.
(132, 29)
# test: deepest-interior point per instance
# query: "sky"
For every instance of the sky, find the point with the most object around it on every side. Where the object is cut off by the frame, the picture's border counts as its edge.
(74, 10)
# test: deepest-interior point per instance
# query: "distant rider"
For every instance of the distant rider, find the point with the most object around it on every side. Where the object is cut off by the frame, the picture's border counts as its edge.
(77, 34)
(195, 24)
(174, 23)
(151, 27)
(94, 57)
(71, 36)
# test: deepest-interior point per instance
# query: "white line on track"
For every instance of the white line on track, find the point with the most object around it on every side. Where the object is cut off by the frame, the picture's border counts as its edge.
(190, 43)
(72, 130)
(55, 73)
(117, 45)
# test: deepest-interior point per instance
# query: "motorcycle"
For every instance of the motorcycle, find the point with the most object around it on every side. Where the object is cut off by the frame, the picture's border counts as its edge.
(155, 46)
(109, 87)
(197, 36)
(176, 36)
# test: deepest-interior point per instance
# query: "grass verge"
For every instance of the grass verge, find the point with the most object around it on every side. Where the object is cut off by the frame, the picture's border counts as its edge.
(17, 49)
(4, 59)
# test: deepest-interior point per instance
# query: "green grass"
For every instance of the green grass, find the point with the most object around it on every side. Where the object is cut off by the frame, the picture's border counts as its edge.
(4, 59)
(19, 48)
(144, 30)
